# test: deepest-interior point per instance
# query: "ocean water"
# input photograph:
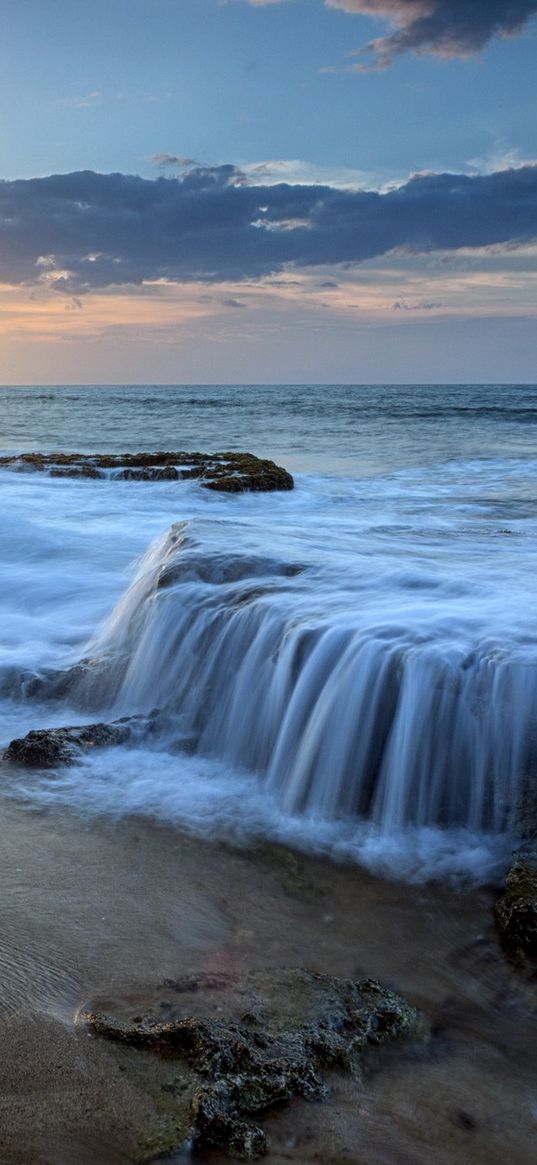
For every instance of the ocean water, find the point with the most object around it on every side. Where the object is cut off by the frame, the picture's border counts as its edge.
(350, 667)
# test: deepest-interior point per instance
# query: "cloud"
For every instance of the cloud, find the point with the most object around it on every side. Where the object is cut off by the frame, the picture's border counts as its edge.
(83, 231)
(296, 171)
(425, 305)
(501, 157)
(86, 101)
(173, 161)
(449, 28)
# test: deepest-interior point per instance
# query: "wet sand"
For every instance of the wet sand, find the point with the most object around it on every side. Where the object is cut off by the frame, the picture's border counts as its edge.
(114, 909)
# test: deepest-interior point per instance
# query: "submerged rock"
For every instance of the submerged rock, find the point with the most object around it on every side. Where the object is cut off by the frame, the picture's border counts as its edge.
(255, 1043)
(88, 684)
(47, 748)
(227, 472)
(516, 910)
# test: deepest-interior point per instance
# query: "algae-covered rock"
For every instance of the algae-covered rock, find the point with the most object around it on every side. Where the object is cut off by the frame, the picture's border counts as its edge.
(47, 748)
(254, 1043)
(227, 472)
(516, 910)
(234, 472)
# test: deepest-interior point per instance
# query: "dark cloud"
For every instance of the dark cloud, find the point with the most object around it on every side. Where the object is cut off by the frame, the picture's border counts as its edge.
(402, 305)
(85, 230)
(173, 161)
(450, 28)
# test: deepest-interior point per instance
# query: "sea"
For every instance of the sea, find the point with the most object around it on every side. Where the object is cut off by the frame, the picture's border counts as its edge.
(349, 668)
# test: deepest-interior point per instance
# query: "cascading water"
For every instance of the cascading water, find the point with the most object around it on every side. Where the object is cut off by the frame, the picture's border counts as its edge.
(349, 666)
(340, 719)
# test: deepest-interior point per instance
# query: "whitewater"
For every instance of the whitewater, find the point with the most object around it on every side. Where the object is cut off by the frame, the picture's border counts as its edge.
(350, 667)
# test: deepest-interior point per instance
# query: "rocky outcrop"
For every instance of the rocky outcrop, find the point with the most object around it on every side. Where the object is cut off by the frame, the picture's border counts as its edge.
(47, 748)
(252, 1044)
(227, 472)
(516, 910)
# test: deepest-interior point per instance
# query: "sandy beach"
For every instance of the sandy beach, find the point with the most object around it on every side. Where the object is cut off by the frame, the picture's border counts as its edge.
(268, 604)
(110, 911)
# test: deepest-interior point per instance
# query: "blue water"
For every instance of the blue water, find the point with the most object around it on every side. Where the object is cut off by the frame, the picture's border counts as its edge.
(353, 663)
(341, 429)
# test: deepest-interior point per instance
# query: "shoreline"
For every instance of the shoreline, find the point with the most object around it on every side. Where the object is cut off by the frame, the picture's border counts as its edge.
(101, 909)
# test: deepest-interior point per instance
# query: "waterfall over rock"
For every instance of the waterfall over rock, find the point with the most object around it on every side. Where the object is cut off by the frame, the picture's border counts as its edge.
(340, 719)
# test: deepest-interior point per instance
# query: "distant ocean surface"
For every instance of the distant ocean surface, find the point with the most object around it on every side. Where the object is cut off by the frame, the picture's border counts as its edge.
(350, 667)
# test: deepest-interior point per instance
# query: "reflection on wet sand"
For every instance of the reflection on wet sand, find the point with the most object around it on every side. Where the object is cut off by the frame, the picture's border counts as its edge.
(113, 910)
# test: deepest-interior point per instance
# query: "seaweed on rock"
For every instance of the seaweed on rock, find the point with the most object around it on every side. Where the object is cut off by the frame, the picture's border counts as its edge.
(255, 1043)
(516, 910)
(226, 472)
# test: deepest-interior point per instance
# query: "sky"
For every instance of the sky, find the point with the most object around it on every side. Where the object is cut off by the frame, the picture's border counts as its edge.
(257, 191)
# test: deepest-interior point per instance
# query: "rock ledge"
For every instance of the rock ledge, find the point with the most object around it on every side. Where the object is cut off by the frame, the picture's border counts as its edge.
(226, 472)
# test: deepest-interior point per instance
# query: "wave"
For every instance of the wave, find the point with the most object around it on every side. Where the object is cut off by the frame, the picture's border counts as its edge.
(340, 722)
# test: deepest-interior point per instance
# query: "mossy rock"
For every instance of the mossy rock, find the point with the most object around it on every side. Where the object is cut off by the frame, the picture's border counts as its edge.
(516, 910)
(226, 472)
(253, 1043)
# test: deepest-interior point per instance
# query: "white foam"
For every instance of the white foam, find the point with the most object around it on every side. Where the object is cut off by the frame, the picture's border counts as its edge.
(430, 567)
(208, 800)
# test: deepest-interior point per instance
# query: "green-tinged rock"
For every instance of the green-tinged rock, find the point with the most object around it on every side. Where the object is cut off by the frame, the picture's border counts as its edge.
(227, 472)
(254, 1043)
(516, 910)
(217, 1127)
(164, 1137)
